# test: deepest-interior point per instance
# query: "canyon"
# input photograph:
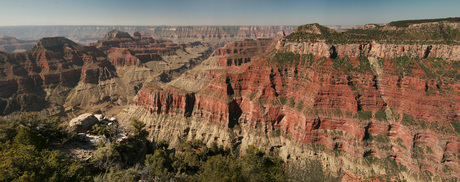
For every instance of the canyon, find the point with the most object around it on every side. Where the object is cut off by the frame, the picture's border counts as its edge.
(363, 110)
(215, 35)
(58, 75)
(11, 44)
(391, 108)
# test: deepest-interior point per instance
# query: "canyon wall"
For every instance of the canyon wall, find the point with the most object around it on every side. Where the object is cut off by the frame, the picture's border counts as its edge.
(385, 51)
(361, 110)
(356, 101)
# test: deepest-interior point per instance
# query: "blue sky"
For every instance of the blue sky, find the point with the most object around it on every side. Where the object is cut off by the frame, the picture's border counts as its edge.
(220, 12)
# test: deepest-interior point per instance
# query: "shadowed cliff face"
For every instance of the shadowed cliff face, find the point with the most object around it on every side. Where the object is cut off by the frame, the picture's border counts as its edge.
(386, 101)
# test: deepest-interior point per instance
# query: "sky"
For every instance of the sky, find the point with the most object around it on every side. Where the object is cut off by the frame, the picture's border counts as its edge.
(220, 12)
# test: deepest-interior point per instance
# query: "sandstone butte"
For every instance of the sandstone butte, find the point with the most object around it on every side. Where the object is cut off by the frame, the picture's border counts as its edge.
(362, 110)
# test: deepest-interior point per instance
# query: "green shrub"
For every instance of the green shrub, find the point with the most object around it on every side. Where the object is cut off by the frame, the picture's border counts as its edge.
(401, 143)
(343, 64)
(406, 23)
(286, 58)
(419, 150)
(26, 136)
(105, 157)
(408, 120)
(381, 115)
(429, 150)
(162, 144)
(159, 163)
(139, 130)
(291, 102)
(282, 100)
(8, 129)
(258, 166)
(277, 133)
(456, 126)
(365, 115)
(300, 106)
(99, 129)
(222, 168)
(309, 170)
(382, 139)
(364, 66)
(118, 174)
(24, 162)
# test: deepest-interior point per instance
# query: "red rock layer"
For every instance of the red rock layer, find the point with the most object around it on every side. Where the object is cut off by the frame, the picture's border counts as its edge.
(57, 61)
(166, 102)
(52, 62)
(319, 102)
(124, 50)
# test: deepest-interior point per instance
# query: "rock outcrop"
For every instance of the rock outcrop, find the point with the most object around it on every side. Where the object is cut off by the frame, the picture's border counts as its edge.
(385, 51)
(83, 122)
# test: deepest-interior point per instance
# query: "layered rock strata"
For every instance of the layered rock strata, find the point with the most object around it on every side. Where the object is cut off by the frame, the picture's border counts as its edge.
(59, 76)
(363, 106)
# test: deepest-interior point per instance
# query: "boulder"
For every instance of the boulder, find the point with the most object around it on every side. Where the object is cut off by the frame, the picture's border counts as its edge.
(99, 117)
(83, 122)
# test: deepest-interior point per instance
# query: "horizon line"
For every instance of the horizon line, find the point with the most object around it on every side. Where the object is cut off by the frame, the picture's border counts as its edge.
(180, 25)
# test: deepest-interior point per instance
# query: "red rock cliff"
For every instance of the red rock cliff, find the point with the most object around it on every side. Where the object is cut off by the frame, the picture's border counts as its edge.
(364, 106)
(52, 62)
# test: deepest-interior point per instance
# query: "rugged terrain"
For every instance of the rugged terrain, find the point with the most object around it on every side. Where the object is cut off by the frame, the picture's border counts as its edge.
(370, 110)
(58, 76)
(376, 103)
(216, 36)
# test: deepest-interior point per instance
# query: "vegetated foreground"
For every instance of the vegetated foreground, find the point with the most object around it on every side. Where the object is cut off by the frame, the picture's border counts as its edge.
(376, 103)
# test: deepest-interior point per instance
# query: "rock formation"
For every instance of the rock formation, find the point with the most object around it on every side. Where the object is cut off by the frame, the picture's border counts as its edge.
(11, 44)
(362, 106)
(58, 76)
(216, 36)
(52, 66)
(396, 104)
(83, 122)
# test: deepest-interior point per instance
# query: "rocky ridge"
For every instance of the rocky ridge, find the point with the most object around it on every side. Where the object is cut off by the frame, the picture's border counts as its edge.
(63, 77)
(391, 103)
(216, 36)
